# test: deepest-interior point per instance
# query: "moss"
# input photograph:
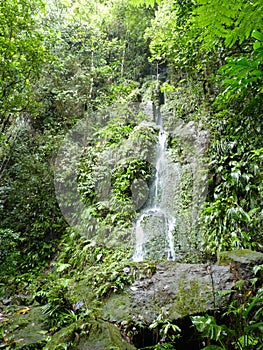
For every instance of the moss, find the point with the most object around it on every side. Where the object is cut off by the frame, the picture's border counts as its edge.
(113, 181)
(191, 298)
(243, 256)
(104, 335)
(27, 330)
(65, 337)
(118, 307)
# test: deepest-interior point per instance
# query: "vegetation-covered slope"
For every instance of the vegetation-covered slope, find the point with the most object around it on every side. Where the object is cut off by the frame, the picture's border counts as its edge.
(67, 61)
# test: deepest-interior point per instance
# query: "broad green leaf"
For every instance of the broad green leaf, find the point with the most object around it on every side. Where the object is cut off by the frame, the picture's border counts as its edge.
(256, 45)
(257, 35)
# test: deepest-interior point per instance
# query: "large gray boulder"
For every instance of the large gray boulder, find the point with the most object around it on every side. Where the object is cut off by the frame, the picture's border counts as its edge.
(176, 290)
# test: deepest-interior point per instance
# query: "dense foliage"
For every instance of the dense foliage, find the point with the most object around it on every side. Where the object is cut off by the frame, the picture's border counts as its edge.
(62, 61)
(22, 55)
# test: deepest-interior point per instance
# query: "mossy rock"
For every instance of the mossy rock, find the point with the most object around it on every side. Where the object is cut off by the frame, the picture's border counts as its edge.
(106, 336)
(27, 329)
(118, 307)
(242, 256)
(64, 337)
(178, 290)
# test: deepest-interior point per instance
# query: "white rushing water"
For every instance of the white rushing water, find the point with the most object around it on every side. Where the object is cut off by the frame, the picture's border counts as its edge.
(168, 226)
(154, 227)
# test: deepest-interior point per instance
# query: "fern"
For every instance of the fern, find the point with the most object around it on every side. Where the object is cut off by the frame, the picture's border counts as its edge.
(230, 21)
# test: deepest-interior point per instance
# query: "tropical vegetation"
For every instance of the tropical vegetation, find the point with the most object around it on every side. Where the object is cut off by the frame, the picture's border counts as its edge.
(64, 62)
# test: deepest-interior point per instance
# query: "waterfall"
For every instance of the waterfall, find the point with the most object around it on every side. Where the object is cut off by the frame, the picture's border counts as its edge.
(155, 225)
(168, 226)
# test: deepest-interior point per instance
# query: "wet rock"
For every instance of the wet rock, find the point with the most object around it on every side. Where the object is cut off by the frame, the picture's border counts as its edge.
(26, 328)
(175, 289)
(241, 262)
(68, 335)
(104, 336)
(77, 306)
(243, 257)
(178, 290)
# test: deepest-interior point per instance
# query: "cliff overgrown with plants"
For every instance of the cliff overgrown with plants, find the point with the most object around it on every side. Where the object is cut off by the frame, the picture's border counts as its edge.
(67, 61)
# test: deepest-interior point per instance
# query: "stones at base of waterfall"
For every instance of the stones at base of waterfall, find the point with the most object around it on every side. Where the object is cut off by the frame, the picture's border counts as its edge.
(100, 335)
(245, 257)
(106, 336)
(177, 290)
(241, 262)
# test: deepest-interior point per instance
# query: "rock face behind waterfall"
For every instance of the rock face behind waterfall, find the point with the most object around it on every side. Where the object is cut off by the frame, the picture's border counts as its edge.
(185, 191)
(167, 227)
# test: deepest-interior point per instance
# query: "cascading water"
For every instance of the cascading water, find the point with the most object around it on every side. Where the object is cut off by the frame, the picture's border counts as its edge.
(168, 226)
(154, 227)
